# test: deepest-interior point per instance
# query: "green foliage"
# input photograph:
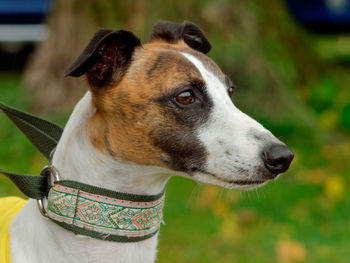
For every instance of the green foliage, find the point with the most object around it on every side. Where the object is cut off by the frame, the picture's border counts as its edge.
(345, 117)
(323, 94)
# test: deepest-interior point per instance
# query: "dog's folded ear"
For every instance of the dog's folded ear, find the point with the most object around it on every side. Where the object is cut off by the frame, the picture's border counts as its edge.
(106, 57)
(187, 31)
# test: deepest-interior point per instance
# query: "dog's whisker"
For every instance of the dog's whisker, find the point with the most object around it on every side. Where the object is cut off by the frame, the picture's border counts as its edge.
(195, 194)
(222, 193)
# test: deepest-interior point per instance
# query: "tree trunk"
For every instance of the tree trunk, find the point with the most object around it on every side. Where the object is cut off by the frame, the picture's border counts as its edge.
(71, 24)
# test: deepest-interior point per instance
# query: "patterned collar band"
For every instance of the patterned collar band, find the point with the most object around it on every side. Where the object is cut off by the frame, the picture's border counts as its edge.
(104, 214)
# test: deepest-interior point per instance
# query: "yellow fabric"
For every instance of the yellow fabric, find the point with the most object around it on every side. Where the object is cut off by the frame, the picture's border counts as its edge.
(9, 207)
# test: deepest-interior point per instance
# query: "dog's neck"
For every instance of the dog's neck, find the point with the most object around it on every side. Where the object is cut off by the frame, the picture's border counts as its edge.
(76, 159)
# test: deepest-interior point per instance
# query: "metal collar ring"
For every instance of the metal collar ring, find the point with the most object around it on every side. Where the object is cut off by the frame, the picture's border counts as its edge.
(51, 171)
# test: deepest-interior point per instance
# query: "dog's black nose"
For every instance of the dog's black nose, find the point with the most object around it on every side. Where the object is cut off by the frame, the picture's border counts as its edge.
(277, 158)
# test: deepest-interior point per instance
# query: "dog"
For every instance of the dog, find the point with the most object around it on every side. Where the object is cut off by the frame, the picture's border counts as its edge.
(153, 111)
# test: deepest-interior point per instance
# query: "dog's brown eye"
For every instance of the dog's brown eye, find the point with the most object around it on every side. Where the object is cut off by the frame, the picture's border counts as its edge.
(230, 91)
(185, 98)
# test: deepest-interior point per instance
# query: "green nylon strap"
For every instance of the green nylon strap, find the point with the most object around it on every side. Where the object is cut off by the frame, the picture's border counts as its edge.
(33, 186)
(44, 135)
(109, 193)
(116, 238)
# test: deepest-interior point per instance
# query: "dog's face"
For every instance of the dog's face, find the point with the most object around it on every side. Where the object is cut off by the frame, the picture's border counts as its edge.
(165, 103)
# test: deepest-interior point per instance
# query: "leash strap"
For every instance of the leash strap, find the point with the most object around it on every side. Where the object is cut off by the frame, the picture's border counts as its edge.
(44, 135)
(32, 186)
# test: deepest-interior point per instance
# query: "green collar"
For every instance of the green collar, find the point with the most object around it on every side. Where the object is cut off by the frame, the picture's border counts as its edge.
(83, 209)
(104, 214)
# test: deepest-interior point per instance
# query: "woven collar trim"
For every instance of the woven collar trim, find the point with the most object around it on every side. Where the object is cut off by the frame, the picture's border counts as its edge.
(109, 215)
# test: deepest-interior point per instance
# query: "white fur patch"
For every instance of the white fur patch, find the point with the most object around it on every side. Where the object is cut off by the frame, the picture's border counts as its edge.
(233, 140)
(35, 239)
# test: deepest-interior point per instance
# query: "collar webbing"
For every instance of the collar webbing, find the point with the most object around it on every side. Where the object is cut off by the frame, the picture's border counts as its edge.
(80, 208)
(104, 214)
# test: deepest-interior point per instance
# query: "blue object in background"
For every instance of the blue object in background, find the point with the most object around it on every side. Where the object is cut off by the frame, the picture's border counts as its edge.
(23, 11)
(322, 16)
(22, 22)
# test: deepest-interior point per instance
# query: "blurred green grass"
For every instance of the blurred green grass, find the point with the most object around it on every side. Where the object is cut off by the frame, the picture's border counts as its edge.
(302, 217)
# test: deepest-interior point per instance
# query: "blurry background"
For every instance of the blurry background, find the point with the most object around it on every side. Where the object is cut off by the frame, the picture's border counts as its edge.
(290, 61)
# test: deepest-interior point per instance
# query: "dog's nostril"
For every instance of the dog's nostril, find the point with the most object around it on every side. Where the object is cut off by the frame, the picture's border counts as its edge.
(277, 158)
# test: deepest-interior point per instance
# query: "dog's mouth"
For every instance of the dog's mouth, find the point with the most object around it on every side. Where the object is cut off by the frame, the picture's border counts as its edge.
(245, 182)
(234, 182)
(240, 182)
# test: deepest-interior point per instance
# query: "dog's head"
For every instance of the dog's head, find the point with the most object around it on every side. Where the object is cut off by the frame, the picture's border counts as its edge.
(165, 103)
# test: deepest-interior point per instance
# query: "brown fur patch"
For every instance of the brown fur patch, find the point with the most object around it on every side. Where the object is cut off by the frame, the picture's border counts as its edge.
(136, 119)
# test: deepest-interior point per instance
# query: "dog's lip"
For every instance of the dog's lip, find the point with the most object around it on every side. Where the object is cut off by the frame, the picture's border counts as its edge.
(240, 182)
(237, 182)
(249, 182)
